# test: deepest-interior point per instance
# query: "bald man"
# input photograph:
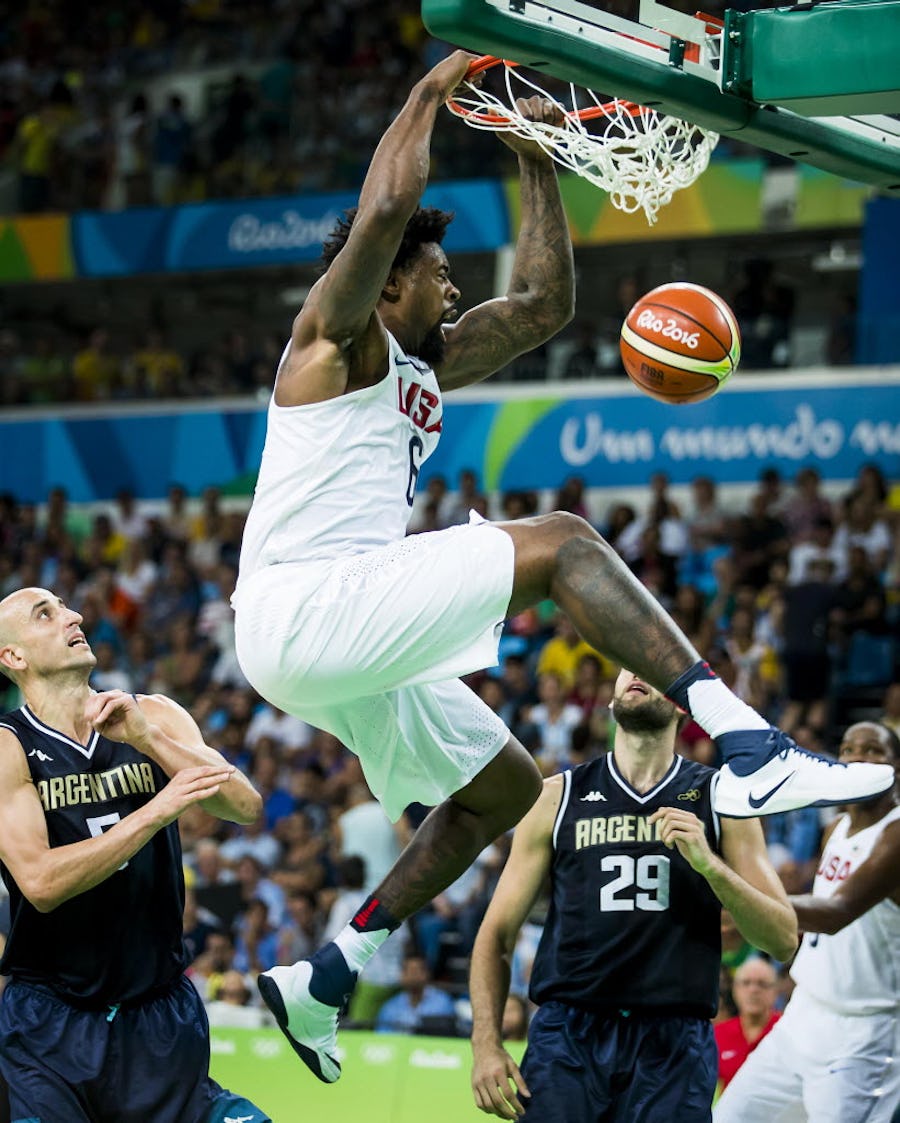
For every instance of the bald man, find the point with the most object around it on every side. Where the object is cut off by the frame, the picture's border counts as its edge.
(755, 988)
(98, 1022)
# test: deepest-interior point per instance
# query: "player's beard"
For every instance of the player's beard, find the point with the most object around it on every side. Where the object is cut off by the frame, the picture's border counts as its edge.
(648, 716)
(432, 348)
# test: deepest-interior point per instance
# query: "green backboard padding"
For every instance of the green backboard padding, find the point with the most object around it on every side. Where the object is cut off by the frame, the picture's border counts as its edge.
(828, 60)
(480, 27)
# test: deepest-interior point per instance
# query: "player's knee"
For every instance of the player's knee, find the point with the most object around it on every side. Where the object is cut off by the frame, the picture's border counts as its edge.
(567, 527)
(524, 782)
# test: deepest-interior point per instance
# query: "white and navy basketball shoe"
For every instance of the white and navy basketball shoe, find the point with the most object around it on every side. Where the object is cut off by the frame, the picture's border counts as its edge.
(767, 772)
(307, 999)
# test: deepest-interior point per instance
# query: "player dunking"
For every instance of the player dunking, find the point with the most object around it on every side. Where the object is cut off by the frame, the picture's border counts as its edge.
(362, 632)
(98, 1023)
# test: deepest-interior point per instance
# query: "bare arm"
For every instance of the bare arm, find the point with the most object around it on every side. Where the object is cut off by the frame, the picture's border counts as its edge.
(875, 880)
(166, 733)
(541, 295)
(743, 879)
(495, 1076)
(337, 338)
(47, 875)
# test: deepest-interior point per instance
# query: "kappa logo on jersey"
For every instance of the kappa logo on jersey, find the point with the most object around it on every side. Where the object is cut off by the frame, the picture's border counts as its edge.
(418, 404)
(238, 1119)
(41, 756)
(691, 795)
(593, 797)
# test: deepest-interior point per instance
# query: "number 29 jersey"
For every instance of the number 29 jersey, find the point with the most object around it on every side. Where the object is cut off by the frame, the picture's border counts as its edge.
(630, 925)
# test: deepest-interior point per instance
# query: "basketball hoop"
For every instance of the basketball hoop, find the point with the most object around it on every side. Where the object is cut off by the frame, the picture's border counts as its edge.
(640, 157)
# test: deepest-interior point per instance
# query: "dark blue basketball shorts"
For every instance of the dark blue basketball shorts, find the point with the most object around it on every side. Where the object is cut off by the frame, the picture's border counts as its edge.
(601, 1068)
(140, 1064)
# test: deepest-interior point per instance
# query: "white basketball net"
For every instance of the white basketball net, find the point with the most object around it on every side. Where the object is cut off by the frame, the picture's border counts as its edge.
(640, 157)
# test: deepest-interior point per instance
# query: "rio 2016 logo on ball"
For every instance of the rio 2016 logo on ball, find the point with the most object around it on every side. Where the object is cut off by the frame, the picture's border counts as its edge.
(680, 343)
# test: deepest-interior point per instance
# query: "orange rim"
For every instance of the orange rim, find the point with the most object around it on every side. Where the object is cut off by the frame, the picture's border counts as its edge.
(487, 62)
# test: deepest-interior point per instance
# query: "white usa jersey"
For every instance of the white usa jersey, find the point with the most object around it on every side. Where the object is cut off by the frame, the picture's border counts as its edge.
(857, 970)
(339, 477)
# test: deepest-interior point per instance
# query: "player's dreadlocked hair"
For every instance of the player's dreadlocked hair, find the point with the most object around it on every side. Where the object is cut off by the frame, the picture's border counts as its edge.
(428, 224)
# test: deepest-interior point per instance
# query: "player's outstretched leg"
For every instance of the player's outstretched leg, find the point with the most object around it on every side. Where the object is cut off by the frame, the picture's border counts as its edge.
(307, 997)
(562, 556)
(765, 770)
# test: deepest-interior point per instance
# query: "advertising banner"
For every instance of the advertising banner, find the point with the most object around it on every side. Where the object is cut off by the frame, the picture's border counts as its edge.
(254, 232)
(608, 433)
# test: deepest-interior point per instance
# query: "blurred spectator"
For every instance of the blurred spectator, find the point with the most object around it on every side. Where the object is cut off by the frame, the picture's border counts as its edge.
(420, 1007)
(172, 151)
(570, 497)
(109, 674)
(859, 601)
(364, 830)
(820, 546)
(554, 718)
(256, 939)
(133, 155)
(807, 507)
(863, 526)
(36, 149)
(760, 538)
(735, 948)
(155, 369)
(382, 974)
(561, 654)
(764, 308)
(95, 371)
(707, 524)
(755, 988)
(230, 1003)
(582, 360)
(467, 498)
(805, 654)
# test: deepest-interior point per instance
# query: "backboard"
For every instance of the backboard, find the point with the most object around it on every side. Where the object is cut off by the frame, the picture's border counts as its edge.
(696, 69)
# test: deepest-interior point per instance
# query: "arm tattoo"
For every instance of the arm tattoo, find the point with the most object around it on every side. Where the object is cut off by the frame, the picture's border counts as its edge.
(541, 292)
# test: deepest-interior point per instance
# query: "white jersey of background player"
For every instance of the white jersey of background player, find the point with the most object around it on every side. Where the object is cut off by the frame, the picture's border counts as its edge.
(835, 1055)
(343, 622)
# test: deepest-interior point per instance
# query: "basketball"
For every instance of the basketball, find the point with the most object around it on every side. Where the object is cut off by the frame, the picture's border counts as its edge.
(680, 343)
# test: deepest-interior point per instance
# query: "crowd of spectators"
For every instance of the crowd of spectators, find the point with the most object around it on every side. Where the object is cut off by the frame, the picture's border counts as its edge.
(794, 598)
(45, 363)
(273, 98)
(128, 105)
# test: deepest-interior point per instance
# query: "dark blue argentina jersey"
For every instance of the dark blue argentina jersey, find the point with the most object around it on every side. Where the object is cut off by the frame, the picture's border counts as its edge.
(630, 925)
(123, 938)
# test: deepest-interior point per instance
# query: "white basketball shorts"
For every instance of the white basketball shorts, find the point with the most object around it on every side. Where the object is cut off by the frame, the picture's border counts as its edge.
(363, 647)
(820, 1066)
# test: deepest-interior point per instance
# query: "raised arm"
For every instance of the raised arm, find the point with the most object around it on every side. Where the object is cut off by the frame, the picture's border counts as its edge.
(496, 1079)
(876, 879)
(540, 299)
(165, 732)
(337, 337)
(48, 876)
